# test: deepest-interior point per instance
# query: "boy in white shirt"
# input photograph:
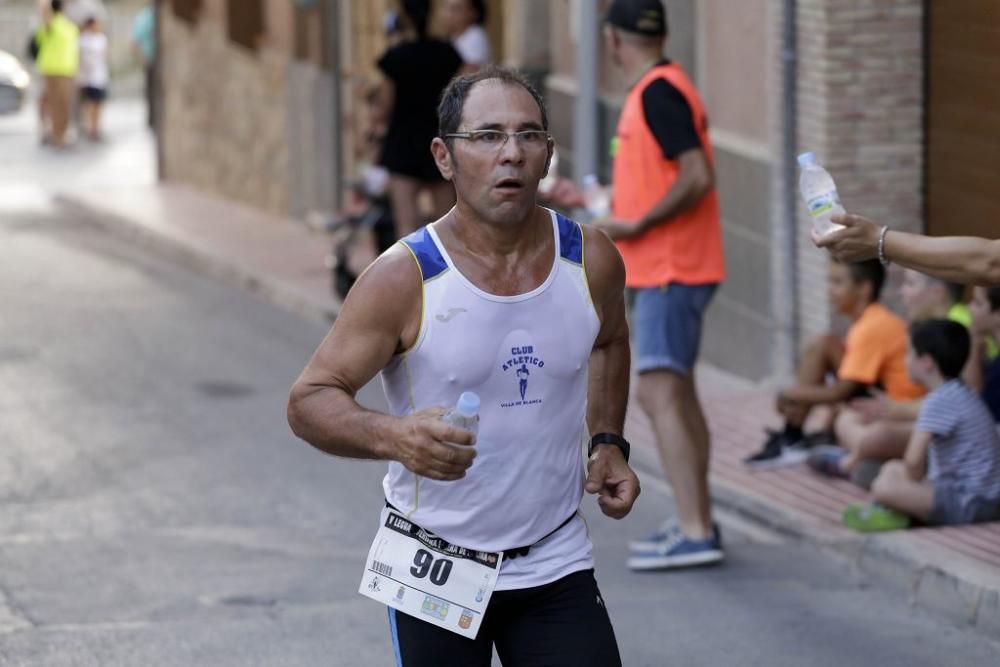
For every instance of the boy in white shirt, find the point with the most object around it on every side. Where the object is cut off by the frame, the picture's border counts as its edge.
(465, 20)
(93, 76)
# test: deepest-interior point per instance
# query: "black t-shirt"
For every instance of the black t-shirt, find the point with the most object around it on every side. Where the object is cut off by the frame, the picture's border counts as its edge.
(420, 71)
(670, 118)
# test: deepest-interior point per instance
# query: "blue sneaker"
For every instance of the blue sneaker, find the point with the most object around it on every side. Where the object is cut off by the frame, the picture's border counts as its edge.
(678, 551)
(654, 542)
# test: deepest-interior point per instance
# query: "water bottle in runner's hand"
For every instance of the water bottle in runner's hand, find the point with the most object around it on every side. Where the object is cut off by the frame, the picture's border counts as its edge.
(819, 193)
(465, 414)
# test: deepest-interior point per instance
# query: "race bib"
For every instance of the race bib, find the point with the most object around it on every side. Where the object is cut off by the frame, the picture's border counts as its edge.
(428, 578)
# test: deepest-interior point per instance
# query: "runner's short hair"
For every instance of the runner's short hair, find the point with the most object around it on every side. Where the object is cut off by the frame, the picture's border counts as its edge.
(453, 98)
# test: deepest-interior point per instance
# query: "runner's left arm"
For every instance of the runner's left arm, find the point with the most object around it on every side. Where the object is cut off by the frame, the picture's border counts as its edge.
(607, 396)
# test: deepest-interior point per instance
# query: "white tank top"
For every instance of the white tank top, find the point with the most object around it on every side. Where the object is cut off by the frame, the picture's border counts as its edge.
(526, 356)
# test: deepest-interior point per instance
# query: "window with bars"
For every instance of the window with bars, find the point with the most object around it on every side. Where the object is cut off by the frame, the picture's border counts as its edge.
(245, 21)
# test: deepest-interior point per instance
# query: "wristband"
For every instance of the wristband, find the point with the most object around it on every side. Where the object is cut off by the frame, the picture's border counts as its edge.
(609, 439)
(881, 246)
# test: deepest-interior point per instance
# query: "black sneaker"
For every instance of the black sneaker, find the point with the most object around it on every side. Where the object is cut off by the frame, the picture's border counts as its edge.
(778, 450)
(819, 439)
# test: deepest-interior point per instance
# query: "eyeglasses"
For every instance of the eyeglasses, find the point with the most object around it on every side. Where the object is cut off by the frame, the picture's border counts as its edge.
(495, 140)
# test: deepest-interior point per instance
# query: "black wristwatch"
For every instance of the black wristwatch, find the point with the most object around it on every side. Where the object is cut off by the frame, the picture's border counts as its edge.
(609, 439)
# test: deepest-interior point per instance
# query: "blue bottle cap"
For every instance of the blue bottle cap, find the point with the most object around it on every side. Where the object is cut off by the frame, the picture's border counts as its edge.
(468, 404)
(807, 159)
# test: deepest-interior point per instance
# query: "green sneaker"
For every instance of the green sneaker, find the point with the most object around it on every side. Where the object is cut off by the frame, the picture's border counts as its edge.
(874, 518)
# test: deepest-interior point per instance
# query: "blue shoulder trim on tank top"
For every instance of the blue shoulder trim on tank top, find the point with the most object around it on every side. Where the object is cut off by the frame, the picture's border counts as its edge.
(428, 255)
(570, 240)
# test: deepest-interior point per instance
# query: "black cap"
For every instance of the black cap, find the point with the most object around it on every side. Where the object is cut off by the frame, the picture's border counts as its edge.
(643, 17)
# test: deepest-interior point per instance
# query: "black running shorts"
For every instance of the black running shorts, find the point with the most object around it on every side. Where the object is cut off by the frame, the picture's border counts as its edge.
(559, 624)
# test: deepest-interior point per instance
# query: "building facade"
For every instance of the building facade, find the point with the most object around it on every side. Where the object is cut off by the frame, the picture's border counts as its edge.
(890, 95)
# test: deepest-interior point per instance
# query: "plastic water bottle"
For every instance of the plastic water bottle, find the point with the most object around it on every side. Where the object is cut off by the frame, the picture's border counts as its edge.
(596, 197)
(465, 414)
(819, 192)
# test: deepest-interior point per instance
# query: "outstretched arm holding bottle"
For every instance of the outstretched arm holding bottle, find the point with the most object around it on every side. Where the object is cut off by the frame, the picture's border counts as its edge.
(961, 259)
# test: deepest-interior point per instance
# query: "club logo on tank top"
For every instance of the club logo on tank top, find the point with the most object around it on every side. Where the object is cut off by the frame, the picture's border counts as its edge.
(522, 363)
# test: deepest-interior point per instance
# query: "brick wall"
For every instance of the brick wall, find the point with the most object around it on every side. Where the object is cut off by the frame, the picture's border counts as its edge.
(860, 97)
(225, 117)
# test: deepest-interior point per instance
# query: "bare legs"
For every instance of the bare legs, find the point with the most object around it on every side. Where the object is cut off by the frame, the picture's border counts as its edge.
(91, 115)
(879, 440)
(821, 356)
(670, 401)
(894, 489)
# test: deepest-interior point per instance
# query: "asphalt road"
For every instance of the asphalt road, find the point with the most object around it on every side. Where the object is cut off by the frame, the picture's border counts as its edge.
(155, 509)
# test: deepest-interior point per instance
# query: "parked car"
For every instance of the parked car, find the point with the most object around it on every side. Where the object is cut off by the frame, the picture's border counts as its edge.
(14, 80)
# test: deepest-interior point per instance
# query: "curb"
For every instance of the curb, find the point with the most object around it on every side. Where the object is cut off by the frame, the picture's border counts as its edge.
(202, 260)
(927, 579)
(969, 597)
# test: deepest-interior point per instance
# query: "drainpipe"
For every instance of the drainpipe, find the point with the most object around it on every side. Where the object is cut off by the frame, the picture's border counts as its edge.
(159, 11)
(789, 57)
(585, 129)
(332, 46)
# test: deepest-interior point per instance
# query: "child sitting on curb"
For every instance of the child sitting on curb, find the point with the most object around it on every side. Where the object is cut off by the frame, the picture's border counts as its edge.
(950, 473)
(873, 355)
(876, 428)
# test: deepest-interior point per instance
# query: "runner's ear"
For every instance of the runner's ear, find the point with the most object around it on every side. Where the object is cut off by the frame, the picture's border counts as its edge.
(443, 158)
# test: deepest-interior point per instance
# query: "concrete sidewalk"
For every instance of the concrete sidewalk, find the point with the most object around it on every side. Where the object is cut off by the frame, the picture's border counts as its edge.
(953, 571)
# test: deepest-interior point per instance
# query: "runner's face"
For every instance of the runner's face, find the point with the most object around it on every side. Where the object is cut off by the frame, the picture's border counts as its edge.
(500, 185)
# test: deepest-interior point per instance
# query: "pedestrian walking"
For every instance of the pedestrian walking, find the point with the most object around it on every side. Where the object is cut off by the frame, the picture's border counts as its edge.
(524, 307)
(667, 226)
(93, 77)
(58, 62)
(415, 72)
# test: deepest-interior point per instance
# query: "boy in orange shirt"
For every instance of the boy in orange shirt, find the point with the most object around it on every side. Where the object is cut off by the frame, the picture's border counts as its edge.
(872, 355)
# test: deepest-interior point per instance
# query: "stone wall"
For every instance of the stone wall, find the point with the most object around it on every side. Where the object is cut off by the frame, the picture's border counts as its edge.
(225, 124)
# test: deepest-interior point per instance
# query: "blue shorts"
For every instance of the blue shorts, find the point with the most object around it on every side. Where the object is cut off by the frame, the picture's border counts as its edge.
(667, 325)
(953, 506)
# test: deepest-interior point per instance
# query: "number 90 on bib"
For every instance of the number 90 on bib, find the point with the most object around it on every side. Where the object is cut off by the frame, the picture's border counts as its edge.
(422, 575)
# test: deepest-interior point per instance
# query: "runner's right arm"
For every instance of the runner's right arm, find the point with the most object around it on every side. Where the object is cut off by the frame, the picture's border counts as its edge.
(380, 318)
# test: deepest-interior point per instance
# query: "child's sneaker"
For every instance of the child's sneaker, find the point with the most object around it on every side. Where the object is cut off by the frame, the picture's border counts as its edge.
(778, 450)
(874, 518)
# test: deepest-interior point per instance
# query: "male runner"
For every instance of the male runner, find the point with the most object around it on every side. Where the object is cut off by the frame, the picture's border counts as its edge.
(530, 292)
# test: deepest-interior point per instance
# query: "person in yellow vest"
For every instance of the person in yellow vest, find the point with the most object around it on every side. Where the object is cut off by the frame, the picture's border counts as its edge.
(665, 221)
(58, 61)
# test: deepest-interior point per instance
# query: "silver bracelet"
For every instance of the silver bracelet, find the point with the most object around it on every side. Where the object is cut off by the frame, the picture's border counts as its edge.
(881, 246)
